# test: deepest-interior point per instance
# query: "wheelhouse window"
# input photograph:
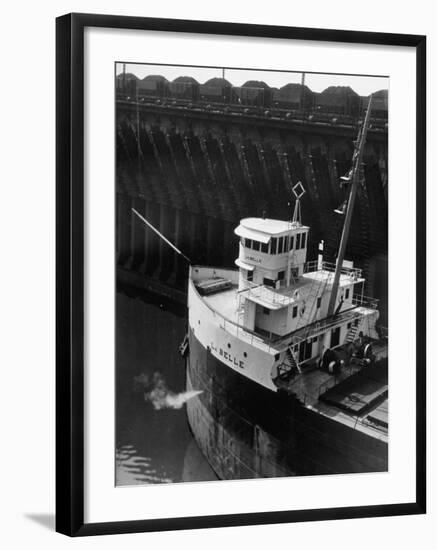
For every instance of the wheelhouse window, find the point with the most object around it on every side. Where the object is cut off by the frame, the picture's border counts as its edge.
(302, 240)
(281, 275)
(256, 245)
(268, 282)
(294, 313)
(265, 248)
(298, 241)
(280, 245)
(266, 311)
(273, 245)
(291, 242)
(248, 243)
(250, 275)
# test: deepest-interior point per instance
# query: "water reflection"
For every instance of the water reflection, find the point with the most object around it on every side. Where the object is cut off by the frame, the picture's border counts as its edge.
(132, 469)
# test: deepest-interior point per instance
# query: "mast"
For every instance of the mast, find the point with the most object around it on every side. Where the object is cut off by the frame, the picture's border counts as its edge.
(355, 180)
(298, 191)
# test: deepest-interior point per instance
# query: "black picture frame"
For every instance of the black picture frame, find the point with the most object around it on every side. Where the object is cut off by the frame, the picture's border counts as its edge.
(70, 273)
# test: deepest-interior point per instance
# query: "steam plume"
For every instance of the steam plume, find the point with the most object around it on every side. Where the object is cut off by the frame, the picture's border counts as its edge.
(156, 391)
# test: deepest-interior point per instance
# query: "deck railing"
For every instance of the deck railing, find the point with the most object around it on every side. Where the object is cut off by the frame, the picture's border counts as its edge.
(313, 265)
(365, 301)
(279, 342)
(317, 327)
(265, 293)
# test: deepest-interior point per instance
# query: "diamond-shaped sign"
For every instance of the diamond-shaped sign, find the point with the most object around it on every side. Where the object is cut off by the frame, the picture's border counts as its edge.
(298, 190)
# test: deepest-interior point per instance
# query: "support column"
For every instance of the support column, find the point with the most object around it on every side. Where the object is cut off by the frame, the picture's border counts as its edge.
(136, 235)
(118, 228)
(166, 254)
(124, 228)
(153, 241)
(181, 265)
(146, 240)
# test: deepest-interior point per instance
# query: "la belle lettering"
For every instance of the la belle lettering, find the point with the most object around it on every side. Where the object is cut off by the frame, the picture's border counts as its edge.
(229, 357)
(253, 259)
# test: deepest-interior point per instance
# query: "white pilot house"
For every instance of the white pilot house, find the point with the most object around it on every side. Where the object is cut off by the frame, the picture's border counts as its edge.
(279, 292)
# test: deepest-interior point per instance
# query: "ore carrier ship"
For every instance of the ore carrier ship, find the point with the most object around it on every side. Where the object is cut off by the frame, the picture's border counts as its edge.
(285, 355)
(288, 354)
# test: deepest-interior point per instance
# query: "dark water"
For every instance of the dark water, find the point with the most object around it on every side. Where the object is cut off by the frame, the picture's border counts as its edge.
(152, 446)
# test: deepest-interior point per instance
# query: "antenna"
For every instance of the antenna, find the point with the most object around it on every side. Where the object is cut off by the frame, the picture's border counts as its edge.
(298, 191)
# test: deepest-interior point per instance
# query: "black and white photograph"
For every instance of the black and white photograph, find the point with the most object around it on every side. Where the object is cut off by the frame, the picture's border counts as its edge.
(216, 289)
(251, 260)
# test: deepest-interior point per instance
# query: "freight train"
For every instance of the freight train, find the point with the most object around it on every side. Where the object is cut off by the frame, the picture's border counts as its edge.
(253, 97)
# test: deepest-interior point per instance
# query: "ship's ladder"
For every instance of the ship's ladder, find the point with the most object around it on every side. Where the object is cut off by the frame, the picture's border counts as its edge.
(241, 306)
(288, 365)
(291, 360)
(352, 333)
(293, 277)
(363, 324)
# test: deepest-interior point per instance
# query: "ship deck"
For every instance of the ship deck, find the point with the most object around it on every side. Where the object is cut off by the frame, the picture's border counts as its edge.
(357, 397)
(226, 304)
(305, 287)
(352, 398)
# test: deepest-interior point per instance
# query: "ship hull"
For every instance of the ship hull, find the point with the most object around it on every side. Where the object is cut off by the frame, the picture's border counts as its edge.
(246, 430)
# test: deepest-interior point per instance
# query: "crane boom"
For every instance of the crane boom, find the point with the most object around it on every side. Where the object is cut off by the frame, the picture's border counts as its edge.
(355, 180)
(143, 219)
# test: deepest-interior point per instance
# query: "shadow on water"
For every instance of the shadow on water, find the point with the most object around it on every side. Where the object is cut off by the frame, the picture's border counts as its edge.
(153, 445)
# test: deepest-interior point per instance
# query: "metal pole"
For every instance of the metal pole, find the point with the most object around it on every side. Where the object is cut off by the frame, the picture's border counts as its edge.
(160, 235)
(301, 90)
(139, 151)
(356, 176)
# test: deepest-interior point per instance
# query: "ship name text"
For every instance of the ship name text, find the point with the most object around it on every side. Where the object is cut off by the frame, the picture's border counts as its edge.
(254, 259)
(228, 356)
